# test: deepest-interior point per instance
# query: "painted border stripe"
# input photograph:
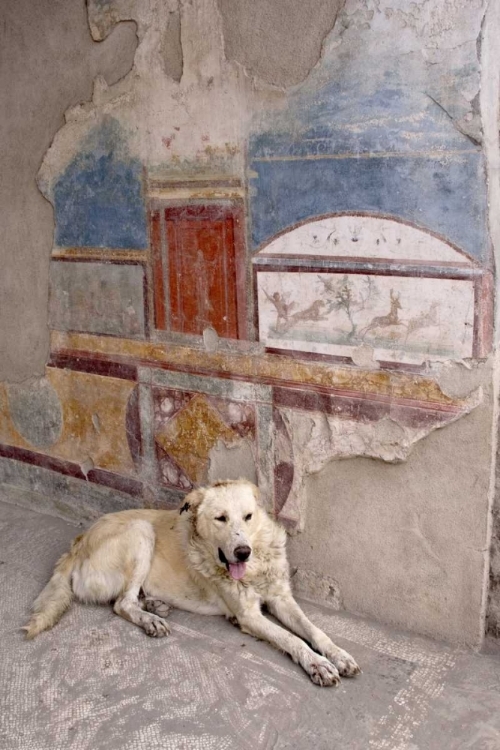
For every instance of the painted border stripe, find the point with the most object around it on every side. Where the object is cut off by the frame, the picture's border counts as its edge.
(70, 469)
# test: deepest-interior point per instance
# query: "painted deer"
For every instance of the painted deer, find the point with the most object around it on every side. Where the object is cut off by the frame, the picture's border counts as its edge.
(382, 321)
(423, 320)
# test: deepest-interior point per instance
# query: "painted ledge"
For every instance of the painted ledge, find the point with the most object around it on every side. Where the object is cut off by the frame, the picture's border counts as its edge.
(280, 370)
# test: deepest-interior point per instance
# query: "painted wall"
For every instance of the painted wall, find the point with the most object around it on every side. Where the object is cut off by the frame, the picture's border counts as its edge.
(262, 264)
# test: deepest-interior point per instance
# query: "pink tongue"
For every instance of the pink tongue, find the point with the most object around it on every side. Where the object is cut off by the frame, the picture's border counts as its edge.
(237, 570)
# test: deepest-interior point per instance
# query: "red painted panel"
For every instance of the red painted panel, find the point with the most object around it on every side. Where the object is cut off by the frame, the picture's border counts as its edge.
(202, 269)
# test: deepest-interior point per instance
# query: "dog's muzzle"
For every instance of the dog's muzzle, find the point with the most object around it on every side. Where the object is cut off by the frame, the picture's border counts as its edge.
(236, 569)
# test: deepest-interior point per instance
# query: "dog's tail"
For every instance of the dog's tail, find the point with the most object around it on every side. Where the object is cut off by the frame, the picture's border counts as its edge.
(56, 597)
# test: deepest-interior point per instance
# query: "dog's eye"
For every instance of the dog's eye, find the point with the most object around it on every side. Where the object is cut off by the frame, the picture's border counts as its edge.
(248, 517)
(222, 519)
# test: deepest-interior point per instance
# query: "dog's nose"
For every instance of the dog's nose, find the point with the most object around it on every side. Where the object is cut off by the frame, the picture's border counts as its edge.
(242, 553)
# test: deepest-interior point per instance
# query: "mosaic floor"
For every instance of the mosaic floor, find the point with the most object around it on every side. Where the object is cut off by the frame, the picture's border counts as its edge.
(97, 682)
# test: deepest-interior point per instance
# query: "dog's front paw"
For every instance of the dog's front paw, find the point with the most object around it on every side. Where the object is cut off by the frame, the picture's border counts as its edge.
(344, 662)
(323, 673)
(157, 607)
(155, 626)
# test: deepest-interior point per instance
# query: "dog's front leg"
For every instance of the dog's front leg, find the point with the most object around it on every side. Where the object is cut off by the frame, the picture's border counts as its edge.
(287, 611)
(320, 670)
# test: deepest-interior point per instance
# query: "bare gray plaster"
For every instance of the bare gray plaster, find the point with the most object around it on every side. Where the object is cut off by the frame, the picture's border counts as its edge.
(48, 63)
(460, 379)
(407, 542)
(264, 36)
(172, 46)
(232, 462)
(322, 589)
(317, 438)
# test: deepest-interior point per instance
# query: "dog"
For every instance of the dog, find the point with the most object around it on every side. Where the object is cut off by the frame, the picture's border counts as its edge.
(221, 554)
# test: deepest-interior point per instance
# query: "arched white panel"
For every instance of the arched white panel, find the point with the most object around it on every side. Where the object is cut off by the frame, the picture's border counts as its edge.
(363, 237)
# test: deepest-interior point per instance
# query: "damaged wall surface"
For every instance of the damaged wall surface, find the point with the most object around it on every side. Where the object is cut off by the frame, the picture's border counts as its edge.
(49, 62)
(263, 264)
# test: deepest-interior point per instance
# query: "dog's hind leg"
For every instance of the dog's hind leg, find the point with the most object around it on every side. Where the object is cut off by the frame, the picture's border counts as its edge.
(287, 611)
(140, 549)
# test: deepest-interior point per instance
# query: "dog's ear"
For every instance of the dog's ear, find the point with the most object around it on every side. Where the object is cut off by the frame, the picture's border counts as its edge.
(193, 500)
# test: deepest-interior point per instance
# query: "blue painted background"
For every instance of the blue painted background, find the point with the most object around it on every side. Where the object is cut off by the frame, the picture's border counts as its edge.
(390, 151)
(99, 199)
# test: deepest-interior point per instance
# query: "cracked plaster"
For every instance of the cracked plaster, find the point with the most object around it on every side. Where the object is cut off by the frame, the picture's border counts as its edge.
(432, 50)
(433, 46)
(318, 438)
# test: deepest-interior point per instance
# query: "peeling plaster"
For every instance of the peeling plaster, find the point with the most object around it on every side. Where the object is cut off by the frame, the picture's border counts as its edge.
(363, 356)
(461, 379)
(318, 439)
(431, 48)
(174, 127)
(48, 63)
(262, 36)
(235, 461)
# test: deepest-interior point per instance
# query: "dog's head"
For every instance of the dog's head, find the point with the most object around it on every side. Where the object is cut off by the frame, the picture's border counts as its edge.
(227, 516)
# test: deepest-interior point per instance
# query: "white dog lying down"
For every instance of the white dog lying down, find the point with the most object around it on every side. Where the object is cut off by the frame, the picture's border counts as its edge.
(220, 555)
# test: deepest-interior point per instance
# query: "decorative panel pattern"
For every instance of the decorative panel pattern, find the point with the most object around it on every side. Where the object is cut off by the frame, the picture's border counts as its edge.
(188, 426)
(96, 297)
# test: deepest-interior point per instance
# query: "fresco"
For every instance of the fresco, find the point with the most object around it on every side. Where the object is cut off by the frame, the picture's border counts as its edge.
(98, 198)
(420, 189)
(365, 237)
(187, 427)
(329, 286)
(384, 123)
(202, 241)
(105, 298)
(83, 426)
(404, 319)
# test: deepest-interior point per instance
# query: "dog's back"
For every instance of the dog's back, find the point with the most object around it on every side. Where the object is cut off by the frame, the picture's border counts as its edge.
(97, 566)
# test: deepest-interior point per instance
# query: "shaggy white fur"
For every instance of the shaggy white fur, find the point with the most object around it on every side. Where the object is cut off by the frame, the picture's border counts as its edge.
(220, 554)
